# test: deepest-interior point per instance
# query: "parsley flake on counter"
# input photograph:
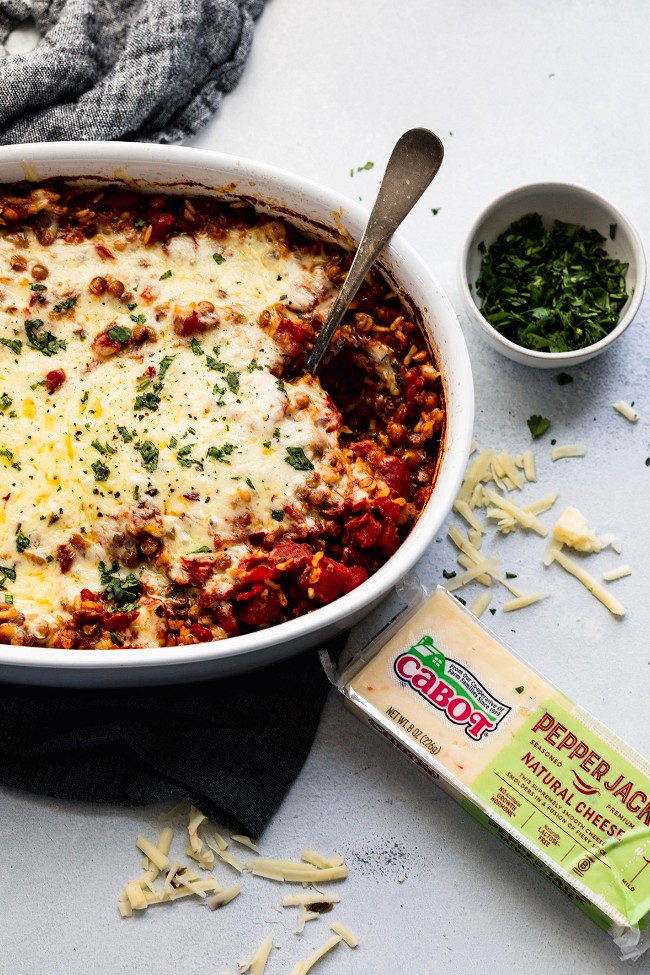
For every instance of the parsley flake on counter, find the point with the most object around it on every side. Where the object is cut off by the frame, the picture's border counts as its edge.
(446, 574)
(149, 453)
(119, 333)
(297, 459)
(537, 425)
(435, 211)
(551, 290)
(219, 258)
(511, 575)
(563, 379)
(368, 165)
(100, 470)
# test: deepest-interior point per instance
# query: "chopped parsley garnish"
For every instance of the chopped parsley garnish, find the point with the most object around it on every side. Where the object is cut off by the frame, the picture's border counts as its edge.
(232, 379)
(9, 599)
(146, 401)
(461, 600)
(200, 551)
(183, 456)
(266, 443)
(138, 319)
(149, 453)
(280, 385)
(125, 435)
(132, 304)
(119, 333)
(165, 275)
(84, 398)
(173, 443)
(647, 462)
(253, 366)
(492, 610)
(276, 433)
(435, 211)
(511, 575)
(43, 342)
(123, 593)
(563, 379)
(551, 290)
(520, 689)
(38, 287)
(66, 304)
(219, 258)
(165, 363)
(297, 459)
(5, 402)
(140, 223)
(368, 165)
(283, 297)
(250, 484)
(277, 514)
(446, 574)
(213, 363)
(22, 541)
(537, 425)
(14, 344)
(100, 470)
(196, 347)
(104, 450)
(221, 453)
(8, 573)
(5, 452)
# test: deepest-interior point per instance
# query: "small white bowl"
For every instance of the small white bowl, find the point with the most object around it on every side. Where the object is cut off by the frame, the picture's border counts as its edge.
(553, 201)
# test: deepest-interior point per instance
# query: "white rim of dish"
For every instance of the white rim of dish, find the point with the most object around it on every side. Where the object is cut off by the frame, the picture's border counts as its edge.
(559, 357)
(416, 542)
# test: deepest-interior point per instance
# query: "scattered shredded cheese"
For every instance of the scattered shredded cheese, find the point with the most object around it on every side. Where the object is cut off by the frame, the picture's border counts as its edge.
(627, 411)
(302, 967)
(345, 934)
(594, 587)
(568, 450)
(481, 603)
(257, 962)
(245, 841)
(619, 573)
(520, 602)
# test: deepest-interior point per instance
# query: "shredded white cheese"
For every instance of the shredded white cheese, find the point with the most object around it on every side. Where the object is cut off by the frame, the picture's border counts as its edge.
(350, 939)
(626, 410)
(302, 967)
(568, 450)
(520, 602)
(619, 573)
(594, 587)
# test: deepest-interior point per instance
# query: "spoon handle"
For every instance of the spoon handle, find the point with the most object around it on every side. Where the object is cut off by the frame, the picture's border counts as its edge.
(414, 162)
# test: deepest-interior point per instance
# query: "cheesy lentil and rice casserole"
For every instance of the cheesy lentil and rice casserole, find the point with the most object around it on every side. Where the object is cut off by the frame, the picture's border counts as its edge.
(167, 476)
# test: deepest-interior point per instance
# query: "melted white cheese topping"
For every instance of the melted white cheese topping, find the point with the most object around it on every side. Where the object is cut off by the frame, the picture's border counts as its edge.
(216, 446)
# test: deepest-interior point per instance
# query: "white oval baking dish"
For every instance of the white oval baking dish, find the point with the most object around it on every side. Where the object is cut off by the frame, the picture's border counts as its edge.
(314, 208)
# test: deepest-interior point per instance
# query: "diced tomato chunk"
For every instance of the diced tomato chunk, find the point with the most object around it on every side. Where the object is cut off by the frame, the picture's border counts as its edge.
(290, 556)
(202, 633)
(119, 621)
(387, 507)
(54, 380)
(389, 540)
(325, 581)
(198, 569)
(364, 529)
(226, 618)
(394, 471)
(262, 608)
(66, 556)
(291, 336)
(160, 224)
(356, 575)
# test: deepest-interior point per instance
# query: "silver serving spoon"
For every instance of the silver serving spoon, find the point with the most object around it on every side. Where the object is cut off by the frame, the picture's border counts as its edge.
(414, 162)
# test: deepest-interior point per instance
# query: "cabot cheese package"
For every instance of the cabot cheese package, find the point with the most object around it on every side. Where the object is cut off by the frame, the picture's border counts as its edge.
(533, 767)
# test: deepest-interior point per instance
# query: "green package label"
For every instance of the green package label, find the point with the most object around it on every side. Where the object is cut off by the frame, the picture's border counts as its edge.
(580, 803)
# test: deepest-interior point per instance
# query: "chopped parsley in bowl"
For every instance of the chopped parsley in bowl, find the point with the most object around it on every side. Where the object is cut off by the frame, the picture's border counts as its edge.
(552, 274)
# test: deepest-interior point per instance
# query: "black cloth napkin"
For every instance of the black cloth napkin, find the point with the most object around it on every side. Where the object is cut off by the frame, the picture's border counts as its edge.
(232, 746)
(152, 70)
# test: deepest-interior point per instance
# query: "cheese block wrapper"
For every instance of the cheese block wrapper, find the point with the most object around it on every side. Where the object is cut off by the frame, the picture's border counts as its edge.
(536, 769)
